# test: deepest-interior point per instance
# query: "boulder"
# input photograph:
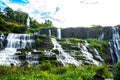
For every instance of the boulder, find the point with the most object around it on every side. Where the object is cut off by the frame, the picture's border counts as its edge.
(97, 77)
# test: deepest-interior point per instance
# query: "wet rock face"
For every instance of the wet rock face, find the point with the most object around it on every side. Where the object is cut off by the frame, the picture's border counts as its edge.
(46, 31)
(81, 32)
(97, 77)
(2, 40)
(44, 43)
(85, 33)
(1, 45)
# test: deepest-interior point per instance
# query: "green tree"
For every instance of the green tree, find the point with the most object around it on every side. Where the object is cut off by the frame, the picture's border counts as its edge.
(9, 13)
(47, 24)
(35, 24)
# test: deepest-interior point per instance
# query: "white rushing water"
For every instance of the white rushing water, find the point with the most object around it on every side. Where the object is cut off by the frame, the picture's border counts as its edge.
(112, 52)
(115, 45)
(98, 55)
(14, 42)
(32, 59)
(64, 57)
(87, 54)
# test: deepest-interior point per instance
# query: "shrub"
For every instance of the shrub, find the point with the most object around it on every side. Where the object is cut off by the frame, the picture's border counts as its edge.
(18, 29)
(116, 71)
(103, 71)
(60, 70)
(45, 66)
(38, 42)
(22, 56)
(2, 21)
(45, 71)
(77, 53)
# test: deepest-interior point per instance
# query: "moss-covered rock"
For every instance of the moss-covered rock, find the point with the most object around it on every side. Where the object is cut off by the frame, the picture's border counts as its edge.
(43, 42)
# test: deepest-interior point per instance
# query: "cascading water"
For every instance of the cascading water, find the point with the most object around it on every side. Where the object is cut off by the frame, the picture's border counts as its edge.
(33, 59)
(14, 42)
(88, 56)
(64, 57)
(113, 56)
(115, 45)
(59, 33)
(19, 41)
(98, 55)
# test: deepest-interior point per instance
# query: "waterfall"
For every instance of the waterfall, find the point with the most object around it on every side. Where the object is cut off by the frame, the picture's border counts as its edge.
(59, 33)
(88, 56)
(64, 57)
(115, 45)
(101, 37)
(49, 32)
(14, 42)
(98, 55)
(33, 59)
(19, 41)
(112, 53)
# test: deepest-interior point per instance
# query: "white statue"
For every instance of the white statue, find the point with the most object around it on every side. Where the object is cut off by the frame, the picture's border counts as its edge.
(28, 22)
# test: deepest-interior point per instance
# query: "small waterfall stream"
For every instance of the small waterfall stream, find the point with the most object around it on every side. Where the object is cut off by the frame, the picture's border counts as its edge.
(64, 57)
(101, 37)
(59, 33)
(49, 32)
(88, 56)
(14, 42)
(98, 55)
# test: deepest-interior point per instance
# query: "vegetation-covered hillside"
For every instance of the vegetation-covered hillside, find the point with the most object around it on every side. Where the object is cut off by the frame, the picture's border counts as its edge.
(48, 71)
(15, 22)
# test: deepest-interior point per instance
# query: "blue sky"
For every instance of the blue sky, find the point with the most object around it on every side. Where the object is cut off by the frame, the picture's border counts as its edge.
(69, 13)
(21, 2)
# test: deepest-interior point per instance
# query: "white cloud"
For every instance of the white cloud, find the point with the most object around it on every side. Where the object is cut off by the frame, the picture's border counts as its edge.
(73, 12)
